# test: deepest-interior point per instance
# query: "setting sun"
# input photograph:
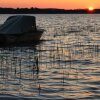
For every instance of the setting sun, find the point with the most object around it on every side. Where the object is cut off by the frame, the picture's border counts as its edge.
(91, 8)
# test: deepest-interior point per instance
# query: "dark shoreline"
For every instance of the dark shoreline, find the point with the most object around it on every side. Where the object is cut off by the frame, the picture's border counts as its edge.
(46, 11)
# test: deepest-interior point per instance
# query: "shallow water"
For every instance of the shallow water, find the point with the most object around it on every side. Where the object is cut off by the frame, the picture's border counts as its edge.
(65, 65)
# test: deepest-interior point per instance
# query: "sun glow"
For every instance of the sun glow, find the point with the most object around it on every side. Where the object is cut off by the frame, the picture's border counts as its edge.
(90, 8)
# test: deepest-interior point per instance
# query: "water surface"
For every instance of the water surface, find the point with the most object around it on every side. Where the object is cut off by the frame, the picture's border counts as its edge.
(65, 65)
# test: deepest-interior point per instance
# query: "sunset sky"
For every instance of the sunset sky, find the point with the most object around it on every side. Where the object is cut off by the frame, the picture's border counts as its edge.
(64, 4)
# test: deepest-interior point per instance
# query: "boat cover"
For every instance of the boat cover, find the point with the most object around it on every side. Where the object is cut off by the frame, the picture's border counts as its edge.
(18, 25)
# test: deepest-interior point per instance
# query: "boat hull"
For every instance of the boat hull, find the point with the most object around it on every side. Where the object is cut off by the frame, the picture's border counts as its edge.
(23, 38)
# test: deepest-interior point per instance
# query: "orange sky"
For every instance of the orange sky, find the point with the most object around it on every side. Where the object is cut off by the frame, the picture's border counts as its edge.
(66, 4)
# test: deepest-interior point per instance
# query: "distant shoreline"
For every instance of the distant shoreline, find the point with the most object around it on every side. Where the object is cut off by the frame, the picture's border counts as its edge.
(46, 11)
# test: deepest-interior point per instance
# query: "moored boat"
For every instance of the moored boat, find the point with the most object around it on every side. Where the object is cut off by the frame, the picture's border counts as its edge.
(20, 29)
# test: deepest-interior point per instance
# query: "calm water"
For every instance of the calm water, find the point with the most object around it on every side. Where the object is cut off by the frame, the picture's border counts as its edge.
(66, 65)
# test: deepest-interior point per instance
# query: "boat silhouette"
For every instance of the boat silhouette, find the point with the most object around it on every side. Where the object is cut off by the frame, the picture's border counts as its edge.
(20, 29)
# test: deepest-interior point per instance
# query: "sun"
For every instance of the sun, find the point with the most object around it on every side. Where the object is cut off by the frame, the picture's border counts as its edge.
(90, 8)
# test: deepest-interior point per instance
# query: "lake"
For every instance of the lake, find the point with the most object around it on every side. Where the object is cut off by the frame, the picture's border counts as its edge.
(65, 65)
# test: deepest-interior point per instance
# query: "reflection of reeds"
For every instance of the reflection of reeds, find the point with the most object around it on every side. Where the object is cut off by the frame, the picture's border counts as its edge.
(64, 59)
(14, 65)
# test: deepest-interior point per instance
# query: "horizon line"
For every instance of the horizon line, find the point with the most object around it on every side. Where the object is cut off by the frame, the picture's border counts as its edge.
(47, 8)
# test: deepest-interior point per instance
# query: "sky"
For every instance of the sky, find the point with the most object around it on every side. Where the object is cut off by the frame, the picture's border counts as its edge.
(62, 4)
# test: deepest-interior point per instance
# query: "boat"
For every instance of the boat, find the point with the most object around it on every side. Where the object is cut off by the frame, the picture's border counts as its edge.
(20, 29)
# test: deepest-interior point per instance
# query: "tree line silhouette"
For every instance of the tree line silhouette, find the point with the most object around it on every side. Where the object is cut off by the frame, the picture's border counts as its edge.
(45, 11)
